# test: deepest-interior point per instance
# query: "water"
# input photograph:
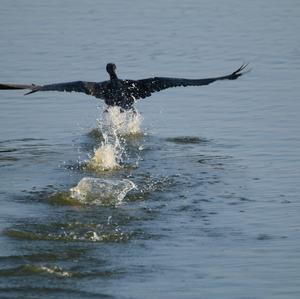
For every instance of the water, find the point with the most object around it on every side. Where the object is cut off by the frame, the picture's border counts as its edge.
(216, 209)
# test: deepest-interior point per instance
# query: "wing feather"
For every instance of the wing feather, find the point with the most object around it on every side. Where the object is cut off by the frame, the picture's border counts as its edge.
(145, 87)
(90, 88)
(17, 86)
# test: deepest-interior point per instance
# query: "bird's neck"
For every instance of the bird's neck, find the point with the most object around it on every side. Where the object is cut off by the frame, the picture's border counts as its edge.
(113, 76)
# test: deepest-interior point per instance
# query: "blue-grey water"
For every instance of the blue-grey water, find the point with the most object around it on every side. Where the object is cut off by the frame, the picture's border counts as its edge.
(216, 212)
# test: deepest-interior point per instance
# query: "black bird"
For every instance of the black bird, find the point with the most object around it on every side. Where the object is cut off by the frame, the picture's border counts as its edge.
(122, 93)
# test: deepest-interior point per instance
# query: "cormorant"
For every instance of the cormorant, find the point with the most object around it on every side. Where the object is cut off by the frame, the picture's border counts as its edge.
(122, 93)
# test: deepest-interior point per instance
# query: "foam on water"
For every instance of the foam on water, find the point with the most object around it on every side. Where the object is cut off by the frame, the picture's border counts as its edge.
(115, 127)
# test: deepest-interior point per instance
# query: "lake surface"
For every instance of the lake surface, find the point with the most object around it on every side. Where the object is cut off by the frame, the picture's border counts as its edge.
(217, 168)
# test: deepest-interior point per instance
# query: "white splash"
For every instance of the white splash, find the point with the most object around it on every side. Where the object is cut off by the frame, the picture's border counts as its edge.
(105, 158)
(101, 191)
(115, 127)
(55, 271)
(124, 123)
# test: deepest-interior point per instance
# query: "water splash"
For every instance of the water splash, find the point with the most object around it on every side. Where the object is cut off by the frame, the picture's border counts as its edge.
(101, 191)
(30, 269)
(70, 232)
(115, 126)
(105, 158)
(124, 123)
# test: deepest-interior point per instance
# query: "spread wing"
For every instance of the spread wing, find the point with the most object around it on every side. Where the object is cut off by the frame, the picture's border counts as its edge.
(90, 88)
(17, 86)
(145, 87)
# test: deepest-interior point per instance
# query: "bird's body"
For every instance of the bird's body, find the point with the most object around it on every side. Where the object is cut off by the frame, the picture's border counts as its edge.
(122, 93)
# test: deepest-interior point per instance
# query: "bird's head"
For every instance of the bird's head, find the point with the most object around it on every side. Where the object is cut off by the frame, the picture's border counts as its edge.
(111, 68)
